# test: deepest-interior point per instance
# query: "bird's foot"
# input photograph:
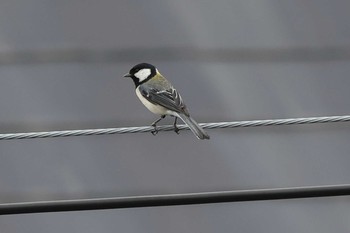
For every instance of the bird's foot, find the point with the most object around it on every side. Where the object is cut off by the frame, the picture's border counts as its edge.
(155, 130)
(176, 129)
(154, 124)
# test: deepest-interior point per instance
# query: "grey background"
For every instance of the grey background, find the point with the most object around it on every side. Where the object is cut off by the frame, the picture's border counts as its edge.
(61, 64)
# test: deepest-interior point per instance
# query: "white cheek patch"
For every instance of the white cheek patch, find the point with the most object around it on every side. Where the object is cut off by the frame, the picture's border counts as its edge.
(143, 74)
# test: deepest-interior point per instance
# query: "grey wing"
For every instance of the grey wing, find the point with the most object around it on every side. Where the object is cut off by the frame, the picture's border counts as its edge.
(169, 99)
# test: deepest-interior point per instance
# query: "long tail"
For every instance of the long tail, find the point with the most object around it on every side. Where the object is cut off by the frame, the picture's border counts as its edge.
(195, 128)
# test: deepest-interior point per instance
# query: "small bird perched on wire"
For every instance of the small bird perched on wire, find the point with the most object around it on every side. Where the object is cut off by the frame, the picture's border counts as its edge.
(161, 98)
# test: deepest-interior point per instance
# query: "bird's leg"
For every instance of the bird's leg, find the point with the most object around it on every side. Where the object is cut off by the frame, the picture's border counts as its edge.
(176, 129)
(154, 124)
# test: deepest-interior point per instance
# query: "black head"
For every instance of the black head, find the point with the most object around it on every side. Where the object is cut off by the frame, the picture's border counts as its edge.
(141, 73)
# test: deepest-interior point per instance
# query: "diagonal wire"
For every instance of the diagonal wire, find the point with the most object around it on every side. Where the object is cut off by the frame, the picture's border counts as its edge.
(175, 199)
(143, 129)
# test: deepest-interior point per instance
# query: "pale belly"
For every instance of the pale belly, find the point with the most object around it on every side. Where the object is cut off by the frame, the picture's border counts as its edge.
(156, 109)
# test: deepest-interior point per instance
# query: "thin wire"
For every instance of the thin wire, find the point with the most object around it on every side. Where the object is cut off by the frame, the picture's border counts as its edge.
(174, 199)
(304, 54)
(143, 129)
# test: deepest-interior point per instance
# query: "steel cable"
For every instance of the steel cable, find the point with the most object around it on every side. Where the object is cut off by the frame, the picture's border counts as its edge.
(143, 129)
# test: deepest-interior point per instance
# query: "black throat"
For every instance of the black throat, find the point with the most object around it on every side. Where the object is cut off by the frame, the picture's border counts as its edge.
(135, 80)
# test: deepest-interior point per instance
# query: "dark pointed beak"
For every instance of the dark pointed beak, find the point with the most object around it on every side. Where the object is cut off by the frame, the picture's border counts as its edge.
(127, 75)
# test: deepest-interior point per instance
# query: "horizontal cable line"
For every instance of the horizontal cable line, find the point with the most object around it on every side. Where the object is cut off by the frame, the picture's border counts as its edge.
(143, 129)
(174, 199)
(302, 54)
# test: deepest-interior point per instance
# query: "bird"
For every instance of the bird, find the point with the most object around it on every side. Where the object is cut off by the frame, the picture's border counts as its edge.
(161, 98)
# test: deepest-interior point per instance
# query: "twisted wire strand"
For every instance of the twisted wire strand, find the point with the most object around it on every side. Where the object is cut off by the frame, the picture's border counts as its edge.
(143, 129)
